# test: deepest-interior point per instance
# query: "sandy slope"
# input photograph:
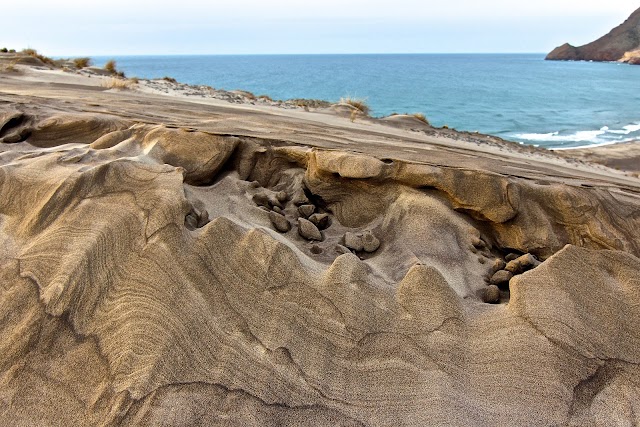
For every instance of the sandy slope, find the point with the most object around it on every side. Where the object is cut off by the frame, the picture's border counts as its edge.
(143, 283)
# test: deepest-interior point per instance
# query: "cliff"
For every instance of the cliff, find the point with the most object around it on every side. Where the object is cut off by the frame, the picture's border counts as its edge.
(621, 44)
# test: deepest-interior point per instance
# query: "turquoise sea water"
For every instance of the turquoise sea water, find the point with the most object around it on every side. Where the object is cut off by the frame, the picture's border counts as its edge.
(515, 96)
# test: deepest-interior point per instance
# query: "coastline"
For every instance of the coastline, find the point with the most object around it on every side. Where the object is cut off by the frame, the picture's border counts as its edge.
(442, 100)
(168, 86)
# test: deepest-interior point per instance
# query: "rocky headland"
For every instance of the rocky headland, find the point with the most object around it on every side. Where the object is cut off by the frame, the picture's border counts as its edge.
(173, 258)
(621, 44)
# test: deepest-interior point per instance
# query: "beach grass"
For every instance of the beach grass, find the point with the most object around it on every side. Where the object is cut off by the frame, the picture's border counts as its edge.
(35, 54)
(421, 117)
(81, 62)
(117, 83)
(359, 104)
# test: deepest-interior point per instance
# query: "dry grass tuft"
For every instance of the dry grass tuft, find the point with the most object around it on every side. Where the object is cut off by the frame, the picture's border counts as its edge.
(10, 67)
(110, 66)
(358, 103)
(35, 54)
(117, 83)
(169, 79)
(265, 98)
(81, 62)
(421, 117)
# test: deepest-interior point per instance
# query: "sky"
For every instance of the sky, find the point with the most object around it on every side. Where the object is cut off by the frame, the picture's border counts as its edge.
(160, 27)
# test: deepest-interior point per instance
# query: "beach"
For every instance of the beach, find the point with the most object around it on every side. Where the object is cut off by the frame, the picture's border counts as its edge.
(176, 256)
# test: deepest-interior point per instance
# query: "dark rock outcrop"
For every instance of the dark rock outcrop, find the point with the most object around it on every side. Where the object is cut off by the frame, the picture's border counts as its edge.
(621, 44)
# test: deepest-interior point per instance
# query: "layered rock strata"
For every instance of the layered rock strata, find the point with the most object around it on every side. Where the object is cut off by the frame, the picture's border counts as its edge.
(154, 275)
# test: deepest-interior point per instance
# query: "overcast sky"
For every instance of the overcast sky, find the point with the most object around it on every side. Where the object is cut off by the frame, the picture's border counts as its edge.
(120, 27)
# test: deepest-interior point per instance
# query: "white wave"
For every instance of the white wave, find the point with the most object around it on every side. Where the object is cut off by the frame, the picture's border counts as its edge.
(584, 135)
(626, 130)
(587, 138)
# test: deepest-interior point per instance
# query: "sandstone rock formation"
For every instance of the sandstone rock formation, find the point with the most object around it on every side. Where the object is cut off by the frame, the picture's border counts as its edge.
(143, 282)
(621, 44)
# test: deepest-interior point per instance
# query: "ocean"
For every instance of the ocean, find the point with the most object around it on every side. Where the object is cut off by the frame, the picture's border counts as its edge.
(518, 97)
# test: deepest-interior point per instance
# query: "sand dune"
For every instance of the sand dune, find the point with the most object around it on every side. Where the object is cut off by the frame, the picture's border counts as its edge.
(144, 280)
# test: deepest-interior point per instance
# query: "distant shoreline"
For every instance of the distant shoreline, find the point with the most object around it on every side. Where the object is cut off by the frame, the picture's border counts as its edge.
(170, 81)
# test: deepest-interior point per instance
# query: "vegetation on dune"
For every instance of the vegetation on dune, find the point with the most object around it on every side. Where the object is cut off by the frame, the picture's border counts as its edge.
(358, 103)
(10, 68)
(110, 66)
(117, 83)
(81, 62)
(421, 117)
(35, 54)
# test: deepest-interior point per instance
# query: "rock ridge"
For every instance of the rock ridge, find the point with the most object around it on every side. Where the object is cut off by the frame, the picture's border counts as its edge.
(620, 44)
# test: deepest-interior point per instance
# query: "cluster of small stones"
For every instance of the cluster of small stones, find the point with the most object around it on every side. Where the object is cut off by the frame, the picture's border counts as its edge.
(503, 270)
(311, 222)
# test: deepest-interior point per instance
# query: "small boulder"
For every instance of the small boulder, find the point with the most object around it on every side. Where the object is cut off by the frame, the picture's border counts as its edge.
(353, 241)
(477, 243)
(203, 218)
(521, 264)
(261, 199)
(277, 209)
(308, 230)
(321, 220)
(281, 196)
(370, 243)
(491, 294)
(306, 210)
(501, 278)
(191, 221)
(511, 257)
(279, 222)
(498, 264)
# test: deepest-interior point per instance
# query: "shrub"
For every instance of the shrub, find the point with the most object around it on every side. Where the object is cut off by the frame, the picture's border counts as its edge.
(12, 51)
(110, 66)
(245, 93)
(266, 98)
(35, 54)
(134, 80)
(421, 117)
(82, 62)
(169, 79)
(116, 83)
(358, 103)
(4, 50)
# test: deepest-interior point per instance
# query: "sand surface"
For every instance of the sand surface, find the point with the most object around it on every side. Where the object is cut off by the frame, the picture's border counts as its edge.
(145, 280)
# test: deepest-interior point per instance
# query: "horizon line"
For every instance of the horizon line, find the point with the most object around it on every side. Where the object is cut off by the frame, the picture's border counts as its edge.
(311, 54)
